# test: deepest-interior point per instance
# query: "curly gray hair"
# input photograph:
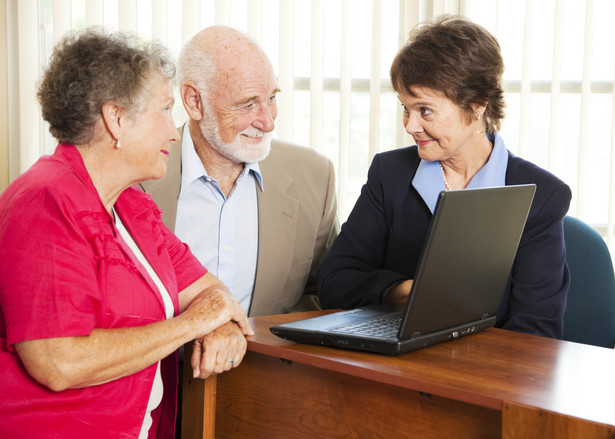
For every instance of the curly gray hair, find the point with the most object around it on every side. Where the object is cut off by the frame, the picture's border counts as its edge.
(95, 66)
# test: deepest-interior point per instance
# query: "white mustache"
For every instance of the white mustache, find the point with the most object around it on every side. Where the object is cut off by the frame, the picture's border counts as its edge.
(253, 132)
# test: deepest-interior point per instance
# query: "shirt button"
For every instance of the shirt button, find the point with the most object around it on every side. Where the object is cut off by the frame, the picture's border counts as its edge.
(225, 247)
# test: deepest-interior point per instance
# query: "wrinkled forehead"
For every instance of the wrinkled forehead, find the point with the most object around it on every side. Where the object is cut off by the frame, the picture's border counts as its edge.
(246, 74)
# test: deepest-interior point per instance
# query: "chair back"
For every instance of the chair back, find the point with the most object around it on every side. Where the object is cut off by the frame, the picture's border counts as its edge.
(590, 312)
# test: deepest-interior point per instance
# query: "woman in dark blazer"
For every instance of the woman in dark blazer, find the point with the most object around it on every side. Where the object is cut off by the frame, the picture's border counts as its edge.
(448, 80)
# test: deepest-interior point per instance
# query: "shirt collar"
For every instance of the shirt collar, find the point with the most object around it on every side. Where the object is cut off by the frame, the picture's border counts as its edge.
(193, 169)
(429, 183)
(69, 154)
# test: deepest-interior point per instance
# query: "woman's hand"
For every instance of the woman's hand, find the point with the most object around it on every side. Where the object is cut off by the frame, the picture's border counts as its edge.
(208, 304)
(218, 351)
(399, 293)
(214, 308)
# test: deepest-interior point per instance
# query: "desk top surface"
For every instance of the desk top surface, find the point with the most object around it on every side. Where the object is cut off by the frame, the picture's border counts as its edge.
(488, 369)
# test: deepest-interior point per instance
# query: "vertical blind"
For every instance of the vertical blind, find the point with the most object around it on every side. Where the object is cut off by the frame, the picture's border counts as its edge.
(332, 59)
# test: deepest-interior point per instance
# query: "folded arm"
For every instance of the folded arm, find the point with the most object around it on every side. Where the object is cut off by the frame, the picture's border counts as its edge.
(107, 354)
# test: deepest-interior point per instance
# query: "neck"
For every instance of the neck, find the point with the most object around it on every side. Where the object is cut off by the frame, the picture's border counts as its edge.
(105, 172)
(224, 170)
(458, 171)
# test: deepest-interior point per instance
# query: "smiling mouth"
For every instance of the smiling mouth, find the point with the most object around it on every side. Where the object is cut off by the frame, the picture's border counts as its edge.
(423, 142)
(165, 152)
(253, 139)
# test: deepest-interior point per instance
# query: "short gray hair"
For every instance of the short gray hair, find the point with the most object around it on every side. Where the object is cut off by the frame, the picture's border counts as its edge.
(95, 66)
(196, 64)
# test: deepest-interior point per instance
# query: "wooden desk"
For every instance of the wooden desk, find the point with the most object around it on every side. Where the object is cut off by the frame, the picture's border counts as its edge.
(493, 384)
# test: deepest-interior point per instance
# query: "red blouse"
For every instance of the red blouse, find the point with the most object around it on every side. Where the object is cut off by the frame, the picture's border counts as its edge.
(63, 272)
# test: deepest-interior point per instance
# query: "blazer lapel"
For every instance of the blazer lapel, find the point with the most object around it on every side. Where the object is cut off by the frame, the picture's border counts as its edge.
(277, 224)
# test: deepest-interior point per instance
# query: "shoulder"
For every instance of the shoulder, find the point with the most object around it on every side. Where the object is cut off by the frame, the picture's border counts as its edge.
(520, 171)
(45, 184)
(403, 156)
(286, 152)
(48, 207)
(550, 190)
(296, 161)
(389, 165)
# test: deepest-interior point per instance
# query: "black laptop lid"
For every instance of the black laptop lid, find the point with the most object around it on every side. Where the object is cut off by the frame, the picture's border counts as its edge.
(460, 280)
(465, 266)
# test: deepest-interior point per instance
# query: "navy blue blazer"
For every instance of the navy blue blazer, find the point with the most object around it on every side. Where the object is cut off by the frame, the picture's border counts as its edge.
(380, 244)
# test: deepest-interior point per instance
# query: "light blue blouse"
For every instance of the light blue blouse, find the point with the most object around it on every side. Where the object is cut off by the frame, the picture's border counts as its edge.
(428, 180)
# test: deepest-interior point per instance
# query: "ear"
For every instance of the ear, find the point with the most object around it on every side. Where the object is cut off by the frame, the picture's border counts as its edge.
(112, 114)
(479, 109)
(191, 98)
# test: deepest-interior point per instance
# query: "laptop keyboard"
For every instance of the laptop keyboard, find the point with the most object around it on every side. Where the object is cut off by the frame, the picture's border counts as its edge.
(386, 327)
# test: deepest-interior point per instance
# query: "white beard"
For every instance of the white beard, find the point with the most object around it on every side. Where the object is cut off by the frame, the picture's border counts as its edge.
(238, 150)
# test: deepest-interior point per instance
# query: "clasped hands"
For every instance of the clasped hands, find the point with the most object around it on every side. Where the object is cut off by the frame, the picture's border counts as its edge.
(220, 344)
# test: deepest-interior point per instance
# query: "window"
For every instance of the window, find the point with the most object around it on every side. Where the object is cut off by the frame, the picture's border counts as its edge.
(332, 58)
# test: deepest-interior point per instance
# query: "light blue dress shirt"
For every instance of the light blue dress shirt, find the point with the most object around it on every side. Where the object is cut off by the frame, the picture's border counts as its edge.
(221, 232)
(428, 180)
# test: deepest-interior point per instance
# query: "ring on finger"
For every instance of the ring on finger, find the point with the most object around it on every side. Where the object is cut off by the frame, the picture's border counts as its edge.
(232, 361)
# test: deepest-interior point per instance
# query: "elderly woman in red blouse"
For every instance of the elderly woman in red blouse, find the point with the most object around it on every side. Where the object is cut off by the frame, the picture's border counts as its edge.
(96, 294)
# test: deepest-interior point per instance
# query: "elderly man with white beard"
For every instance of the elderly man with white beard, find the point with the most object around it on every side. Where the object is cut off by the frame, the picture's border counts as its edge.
(258, 212)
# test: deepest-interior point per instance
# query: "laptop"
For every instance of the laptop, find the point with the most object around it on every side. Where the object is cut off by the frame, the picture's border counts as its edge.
(459, 282)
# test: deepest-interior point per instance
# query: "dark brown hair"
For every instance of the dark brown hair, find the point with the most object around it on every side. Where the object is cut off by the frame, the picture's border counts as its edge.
(458, 58)
(92, 67)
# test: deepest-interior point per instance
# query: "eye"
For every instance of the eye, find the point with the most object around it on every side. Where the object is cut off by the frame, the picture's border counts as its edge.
(405, 109)
(273, 98)
(425, 111)
(248, 107)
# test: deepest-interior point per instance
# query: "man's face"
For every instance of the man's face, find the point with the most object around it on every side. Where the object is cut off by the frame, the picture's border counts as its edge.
(239, 119)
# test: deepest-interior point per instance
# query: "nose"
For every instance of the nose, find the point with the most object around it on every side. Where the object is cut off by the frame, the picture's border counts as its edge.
(412, 124)
(173, 133)
(265, 119)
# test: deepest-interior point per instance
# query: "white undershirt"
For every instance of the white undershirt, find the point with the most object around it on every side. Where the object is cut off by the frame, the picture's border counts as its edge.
(157, 388)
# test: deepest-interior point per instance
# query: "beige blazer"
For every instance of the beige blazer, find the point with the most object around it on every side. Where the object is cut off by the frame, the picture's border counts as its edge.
(297, 223)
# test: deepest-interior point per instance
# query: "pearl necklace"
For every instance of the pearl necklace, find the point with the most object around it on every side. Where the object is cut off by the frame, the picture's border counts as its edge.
(446, 186)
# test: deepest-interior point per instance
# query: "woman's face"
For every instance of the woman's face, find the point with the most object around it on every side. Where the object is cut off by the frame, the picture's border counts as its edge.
(148, 135)
(439, 126)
